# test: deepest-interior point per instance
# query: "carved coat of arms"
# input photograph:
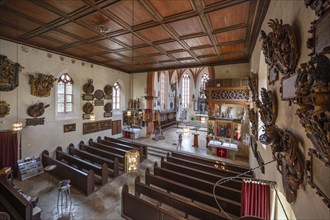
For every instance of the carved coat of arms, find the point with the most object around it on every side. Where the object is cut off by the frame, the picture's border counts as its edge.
(41, 84)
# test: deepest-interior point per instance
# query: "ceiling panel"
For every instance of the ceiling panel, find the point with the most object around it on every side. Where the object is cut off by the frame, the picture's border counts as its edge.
(187, 26)
(20, 22)
(198, 41)
(205, 51)
(183, 54)
(67, 7)
(124, 11)
(127, 39)
(211, 2)
(171, 46)
(97, 20)
(228, 36)
(101, 31)
(209, 59)
(156, 33)
(171, 7)
(60, 37)
(108, 44)
(228, 16)
(160, 58)
(44, 42)
(233, 56)
(32, 10)
(76, 52)
(78, 30)
(231, 48)
(148, 50)
(112, 56)
(10, 32)
(90, 48)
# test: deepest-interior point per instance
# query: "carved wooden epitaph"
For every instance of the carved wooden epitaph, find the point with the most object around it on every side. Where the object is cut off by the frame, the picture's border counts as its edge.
(8, 73)
(41, 84)
(313, 98)
(279, 47)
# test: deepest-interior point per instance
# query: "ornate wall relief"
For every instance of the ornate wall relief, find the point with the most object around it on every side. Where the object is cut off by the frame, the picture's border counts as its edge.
(285, 150)
(41, 84)
(8, 74)
(267, 107)
(253, 116)
(253, 85)
(313, 98)
(279, 47)
(36, 111)
(4, 109)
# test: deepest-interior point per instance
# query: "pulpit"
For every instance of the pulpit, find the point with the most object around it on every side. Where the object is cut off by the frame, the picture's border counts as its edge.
(195, 140)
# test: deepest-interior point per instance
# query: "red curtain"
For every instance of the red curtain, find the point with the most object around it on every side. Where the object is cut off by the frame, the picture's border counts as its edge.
(8, 150)
(255, 200)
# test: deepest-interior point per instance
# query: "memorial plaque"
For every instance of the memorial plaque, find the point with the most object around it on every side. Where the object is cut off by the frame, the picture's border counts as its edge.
(107, 114)
(272, 75)
(35, 121)
(88, 97)
(69, 128)
(98, 102)
(288, 88)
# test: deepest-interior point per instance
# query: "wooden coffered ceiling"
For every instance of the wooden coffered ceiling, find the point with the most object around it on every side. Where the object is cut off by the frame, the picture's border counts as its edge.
(138, 35)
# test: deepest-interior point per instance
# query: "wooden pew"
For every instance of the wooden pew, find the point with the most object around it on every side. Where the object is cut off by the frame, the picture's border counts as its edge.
(133, 207)
(213, 178)
(102, 153)
(112, 164)
(229, 206)
(84, 182)
(223, 191)
(15, 204)
(176, 202)
(102, 171)
(134, 144)
(210, 162)
(107, 148)
(202, 167)
(126, 147)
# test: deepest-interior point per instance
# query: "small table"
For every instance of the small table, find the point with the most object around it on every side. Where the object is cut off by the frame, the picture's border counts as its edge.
(195, 140)
(50, 168)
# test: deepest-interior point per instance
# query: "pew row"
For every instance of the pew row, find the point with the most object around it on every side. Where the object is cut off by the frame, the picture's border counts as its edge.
(213, 178)
(15, 204)
(107, 148)
(192, 193)
(202, 167)
(223, 191)
(133, 207)
(186, 206)
(126, 147)
(113, 165)
(102, 153)
(132, 144)
(101, 171)
(210, 162)
(83, 182)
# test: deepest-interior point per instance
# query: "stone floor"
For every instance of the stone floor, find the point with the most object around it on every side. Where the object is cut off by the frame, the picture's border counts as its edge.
(105, 202)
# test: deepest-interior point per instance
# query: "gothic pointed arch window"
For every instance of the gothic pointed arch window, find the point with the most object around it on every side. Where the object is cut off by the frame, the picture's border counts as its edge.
(162, 90)
(185, 90)
(205, 77)
(116, 96)
(65, 94)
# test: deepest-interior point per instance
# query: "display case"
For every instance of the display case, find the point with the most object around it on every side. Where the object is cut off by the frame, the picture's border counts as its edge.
(29, 167)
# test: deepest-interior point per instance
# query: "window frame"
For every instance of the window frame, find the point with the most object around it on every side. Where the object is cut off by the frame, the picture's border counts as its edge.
(185, 91)
(116, 90)
(65, 79)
